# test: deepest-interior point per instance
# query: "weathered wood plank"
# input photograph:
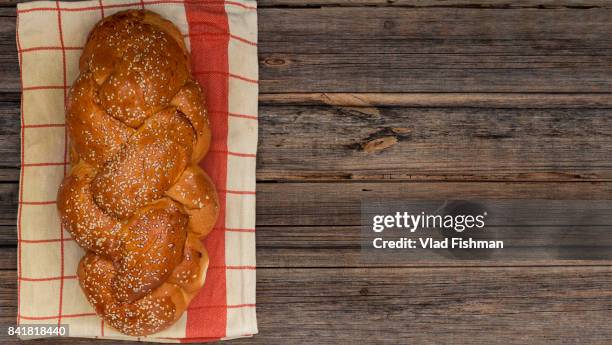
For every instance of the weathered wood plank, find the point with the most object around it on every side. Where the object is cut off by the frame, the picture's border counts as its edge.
(424, 143)
(10, 144)
(336, 209)
(442, 100)
(316, 224)
(8, 259)
(330, 204)
(397, 305)
(434, 143)
(9, 61)
(9, 197)
(9, 174)
(337, 49)
(425, 306)
(434, 50)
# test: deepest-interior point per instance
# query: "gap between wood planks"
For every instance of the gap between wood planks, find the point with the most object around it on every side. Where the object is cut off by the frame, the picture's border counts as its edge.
(433, 100)
(497, 4)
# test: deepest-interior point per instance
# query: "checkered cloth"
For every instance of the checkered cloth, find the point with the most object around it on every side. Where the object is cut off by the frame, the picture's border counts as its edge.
(222, 37)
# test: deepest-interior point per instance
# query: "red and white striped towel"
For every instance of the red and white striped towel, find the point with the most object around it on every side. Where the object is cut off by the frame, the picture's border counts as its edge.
(222, 36)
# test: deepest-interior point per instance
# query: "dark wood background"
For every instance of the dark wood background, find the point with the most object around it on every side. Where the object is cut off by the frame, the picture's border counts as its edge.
(398, 99)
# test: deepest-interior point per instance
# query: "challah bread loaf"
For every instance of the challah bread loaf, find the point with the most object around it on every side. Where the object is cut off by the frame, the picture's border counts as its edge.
(135, 198)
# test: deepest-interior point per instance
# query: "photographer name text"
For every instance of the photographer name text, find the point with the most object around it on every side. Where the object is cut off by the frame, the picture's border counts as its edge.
(411, 223)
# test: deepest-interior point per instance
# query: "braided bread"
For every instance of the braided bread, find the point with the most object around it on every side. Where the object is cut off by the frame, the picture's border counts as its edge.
(135, 198)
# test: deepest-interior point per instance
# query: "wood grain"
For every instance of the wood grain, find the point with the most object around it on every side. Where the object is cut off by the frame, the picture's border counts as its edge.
(431, 142)
(434, 305)
(340, 49)
(442, 100)
(434, 50)
(388, 143)
(328, 204)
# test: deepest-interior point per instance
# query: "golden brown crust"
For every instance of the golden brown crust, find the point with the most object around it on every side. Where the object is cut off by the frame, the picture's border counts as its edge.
(149, 163)
(101, 135)
(135, 198)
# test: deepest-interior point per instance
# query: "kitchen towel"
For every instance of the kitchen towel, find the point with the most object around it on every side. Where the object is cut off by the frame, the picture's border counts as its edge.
(222, 38)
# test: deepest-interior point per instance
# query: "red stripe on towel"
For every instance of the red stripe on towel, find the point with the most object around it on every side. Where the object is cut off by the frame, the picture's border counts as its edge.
(206, 53)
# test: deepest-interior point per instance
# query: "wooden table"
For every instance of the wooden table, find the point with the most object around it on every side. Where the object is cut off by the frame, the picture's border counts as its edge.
(399, 99)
